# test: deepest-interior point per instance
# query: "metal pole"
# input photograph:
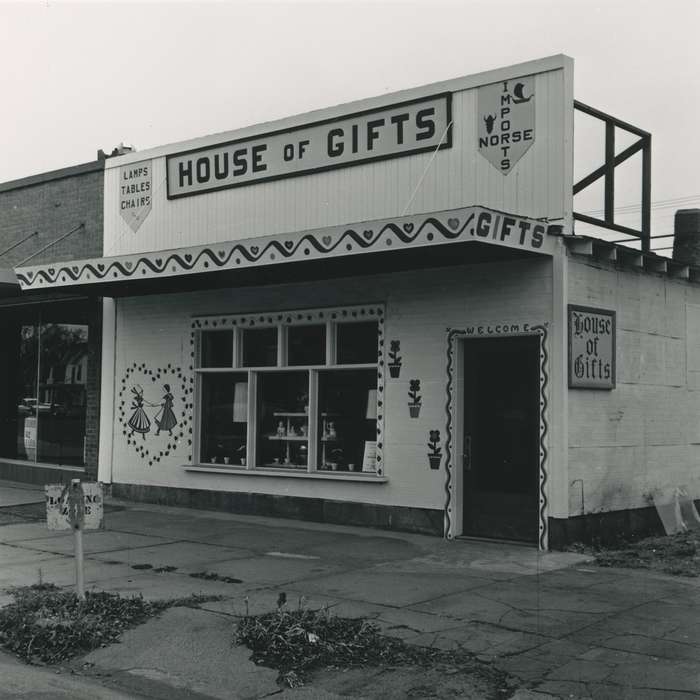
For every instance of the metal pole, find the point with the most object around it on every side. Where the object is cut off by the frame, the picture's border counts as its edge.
(79, 575)
(76, 499)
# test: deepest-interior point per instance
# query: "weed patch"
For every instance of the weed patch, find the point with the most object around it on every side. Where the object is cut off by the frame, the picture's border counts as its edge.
(678, 554)
(46, 624)
(296, 643)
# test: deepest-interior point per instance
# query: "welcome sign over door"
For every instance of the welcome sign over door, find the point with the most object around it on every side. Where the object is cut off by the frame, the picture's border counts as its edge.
(397, 130)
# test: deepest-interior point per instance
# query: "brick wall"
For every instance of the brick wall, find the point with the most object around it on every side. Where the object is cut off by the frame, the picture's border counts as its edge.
(52, 204)
(92, 417)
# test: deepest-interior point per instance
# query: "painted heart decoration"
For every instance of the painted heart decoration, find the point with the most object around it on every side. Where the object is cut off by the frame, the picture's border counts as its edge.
(155, 420)
(453, 224)
(408, 228)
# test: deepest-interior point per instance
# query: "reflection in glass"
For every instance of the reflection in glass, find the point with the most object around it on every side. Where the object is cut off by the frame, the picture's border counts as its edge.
(347, 417)
(306, 345)
(217, 349)
(224, 418)
(62, 393)
(357, 343)
(259, 347)
(26, 402)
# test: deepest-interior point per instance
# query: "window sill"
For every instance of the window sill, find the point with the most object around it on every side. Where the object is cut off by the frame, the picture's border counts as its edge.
(43, 465)
(365, 477)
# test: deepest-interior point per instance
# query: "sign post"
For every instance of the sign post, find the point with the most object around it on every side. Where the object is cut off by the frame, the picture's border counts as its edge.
(75, 506)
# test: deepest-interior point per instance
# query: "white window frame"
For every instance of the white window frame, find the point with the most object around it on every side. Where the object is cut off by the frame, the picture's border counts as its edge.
(282, 320)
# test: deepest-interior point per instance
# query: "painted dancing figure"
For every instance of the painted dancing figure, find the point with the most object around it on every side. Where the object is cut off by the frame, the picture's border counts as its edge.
(139, 421)
(166, 420)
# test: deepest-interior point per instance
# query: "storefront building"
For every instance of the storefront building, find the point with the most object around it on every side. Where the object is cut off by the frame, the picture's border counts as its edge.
(378, 314)
(50, 342)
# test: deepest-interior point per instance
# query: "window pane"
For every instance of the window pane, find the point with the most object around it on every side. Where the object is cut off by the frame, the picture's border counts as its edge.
(347, 417)
(283, 420)
(260, 347)
(306, 345)
(25, 396)
(224, 420)
(357, 343)
(62, 393)
(217, 349)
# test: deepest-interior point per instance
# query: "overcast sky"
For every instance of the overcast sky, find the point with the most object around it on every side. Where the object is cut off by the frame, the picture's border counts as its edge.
(82, 76)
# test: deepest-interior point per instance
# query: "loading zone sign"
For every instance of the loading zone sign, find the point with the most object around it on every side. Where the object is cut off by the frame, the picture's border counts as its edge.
(506, 121)
(78, 505)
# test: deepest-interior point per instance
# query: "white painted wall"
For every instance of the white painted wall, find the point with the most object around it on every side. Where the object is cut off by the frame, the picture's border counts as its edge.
(420, 305)
(539, 185)
(645, 434)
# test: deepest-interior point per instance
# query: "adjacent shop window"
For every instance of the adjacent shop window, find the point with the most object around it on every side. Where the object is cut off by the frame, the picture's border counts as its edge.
(43, 383)
(294, 396)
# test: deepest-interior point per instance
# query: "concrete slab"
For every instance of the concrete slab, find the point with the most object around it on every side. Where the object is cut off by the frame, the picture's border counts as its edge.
(19, 494)
(96, 541)
(18, 532)
(264, 600)
(189, 649)
(166, 586)
(179, 554)
(29, 573)
(60, 570)
(393, 589)
(531, 594)
(18, 555)
(480, 638)
(267, 570)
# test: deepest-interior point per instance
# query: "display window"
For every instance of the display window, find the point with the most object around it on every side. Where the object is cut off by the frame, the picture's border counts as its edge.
(293, 392)
(43, 381)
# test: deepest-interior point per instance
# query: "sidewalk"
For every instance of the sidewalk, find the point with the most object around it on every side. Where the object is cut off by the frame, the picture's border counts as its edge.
(552, 621)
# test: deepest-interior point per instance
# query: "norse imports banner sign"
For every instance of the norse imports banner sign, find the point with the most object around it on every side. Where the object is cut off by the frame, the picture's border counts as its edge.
(506, 121)
(397, 130)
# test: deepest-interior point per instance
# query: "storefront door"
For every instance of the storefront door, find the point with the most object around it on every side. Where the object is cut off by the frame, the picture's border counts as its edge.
(501, 433)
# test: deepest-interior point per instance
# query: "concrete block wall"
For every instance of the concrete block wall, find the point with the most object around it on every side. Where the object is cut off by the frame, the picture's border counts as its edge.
(643, 437)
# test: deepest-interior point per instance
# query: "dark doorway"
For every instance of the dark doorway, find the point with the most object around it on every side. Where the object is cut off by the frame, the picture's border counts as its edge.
(501, 435)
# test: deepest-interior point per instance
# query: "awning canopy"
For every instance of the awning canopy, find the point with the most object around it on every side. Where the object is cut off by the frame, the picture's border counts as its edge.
(419, 235)
(9, 284)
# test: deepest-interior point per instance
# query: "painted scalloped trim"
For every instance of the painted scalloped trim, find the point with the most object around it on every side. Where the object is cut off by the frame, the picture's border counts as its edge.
(406, 234)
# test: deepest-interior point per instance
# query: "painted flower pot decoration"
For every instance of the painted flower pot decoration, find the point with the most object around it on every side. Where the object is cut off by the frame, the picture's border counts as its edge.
(416, 399)
(394, 363)
(435, 454)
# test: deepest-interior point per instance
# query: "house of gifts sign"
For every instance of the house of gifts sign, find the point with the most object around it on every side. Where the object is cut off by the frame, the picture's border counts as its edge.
(591, 348)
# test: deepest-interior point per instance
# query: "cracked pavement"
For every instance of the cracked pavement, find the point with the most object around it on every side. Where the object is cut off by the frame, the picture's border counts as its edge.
(556, 624)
